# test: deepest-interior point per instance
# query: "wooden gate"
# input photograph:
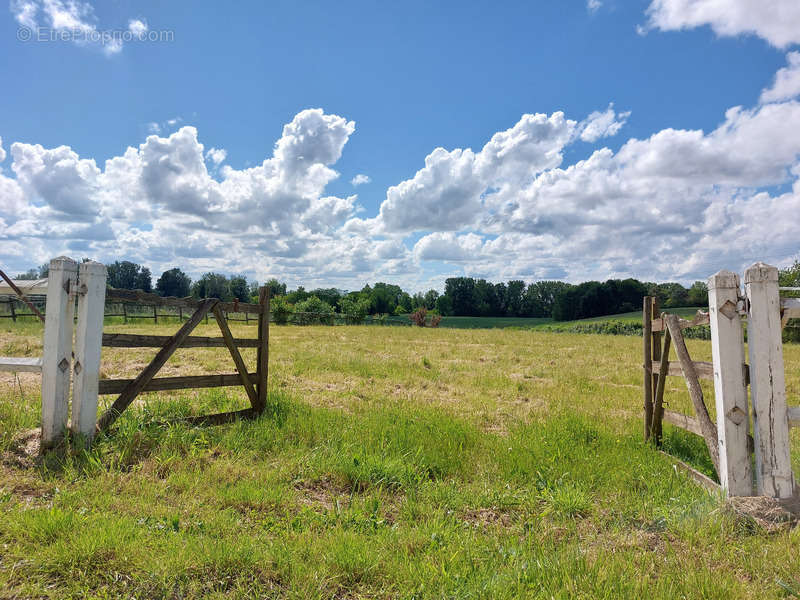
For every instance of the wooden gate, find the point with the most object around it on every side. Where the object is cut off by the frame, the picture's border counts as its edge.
(254, 383)
(65, 364)
(729, 441)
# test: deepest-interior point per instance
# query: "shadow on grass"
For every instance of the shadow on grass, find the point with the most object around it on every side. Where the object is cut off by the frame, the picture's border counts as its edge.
(690, 448)
(157, 428)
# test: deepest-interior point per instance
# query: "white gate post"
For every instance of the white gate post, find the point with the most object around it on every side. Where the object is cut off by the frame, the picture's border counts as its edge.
(730, 392)
(88, 341)
(773, 465)
(57, 349)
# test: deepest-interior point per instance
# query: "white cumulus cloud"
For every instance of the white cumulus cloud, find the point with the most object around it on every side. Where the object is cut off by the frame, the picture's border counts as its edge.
(776, 21)
(72, 18)
(216, 155)
(138, 27)
(448, 193)
(678, 204)
(600, 124)
(360, 179)
(787, 81)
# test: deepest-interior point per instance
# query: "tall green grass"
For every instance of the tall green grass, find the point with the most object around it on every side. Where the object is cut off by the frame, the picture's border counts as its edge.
(390, 463)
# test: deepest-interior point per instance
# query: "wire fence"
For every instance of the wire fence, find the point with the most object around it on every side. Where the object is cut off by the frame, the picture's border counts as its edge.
(124, 312)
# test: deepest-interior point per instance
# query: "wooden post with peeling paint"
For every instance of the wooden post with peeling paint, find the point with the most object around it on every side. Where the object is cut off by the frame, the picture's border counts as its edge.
(730, 391)
(88, 342)
(57, 349)
(767, 382)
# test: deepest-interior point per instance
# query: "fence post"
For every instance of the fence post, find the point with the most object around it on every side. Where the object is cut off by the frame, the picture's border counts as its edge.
(647, 351)
(57, 349)
(767, 383)
(13, 313)
(262, 354)
(730, 391)
(88, 341)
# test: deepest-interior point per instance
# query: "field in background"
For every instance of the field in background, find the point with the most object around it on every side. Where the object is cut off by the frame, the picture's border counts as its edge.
(550, 324)
(392, 462)
(492, 322)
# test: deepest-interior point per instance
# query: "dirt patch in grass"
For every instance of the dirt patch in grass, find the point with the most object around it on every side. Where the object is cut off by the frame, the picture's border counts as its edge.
(487, 517)
(770, 514)
(24, 450)
(17, 469)
(322, 492)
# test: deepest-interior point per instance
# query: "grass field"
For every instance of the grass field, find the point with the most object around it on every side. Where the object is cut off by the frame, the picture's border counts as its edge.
(491, 322)
(546, 323)
(391, 463)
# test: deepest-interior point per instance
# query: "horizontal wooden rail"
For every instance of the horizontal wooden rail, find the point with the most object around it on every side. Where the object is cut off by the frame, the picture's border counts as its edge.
(19, 365)
(683, 421)
(697, 476)
(115, 386)
(701, 318)
(140, 297)
(790, 308)
(130, 340)
(705, 370)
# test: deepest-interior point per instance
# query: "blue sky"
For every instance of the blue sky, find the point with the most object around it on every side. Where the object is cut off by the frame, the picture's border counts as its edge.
(412, 77)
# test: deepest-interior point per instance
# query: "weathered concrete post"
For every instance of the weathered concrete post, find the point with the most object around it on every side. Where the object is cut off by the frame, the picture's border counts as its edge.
(57, 349)
(773, 466)
(88, 342)
(730, 391)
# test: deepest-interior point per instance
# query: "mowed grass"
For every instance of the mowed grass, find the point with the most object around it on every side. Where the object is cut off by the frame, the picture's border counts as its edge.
(391, 463)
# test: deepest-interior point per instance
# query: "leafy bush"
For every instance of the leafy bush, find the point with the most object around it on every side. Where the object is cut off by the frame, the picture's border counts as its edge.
(613, 327)
(354, 310)
(313, 311)
(281, 310)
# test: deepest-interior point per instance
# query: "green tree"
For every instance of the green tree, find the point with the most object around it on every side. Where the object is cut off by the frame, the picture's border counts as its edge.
(238, 288)
(212, 285)
(790, 276)
(461, 290)
(30, 274)
(313, 311)
(297, 296)
(431, 297)
(444, 305)
(330, 296)
(276, 288)
(174, 282)
(515, 298)
(540, 298)
(698, 294)
(127, 275)
(144, 280)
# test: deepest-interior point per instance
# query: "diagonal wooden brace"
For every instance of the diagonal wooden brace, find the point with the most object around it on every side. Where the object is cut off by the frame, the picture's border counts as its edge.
(136, 386)
(241, 368)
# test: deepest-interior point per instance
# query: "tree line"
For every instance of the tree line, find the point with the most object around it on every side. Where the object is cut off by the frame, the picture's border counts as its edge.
(462, 297)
